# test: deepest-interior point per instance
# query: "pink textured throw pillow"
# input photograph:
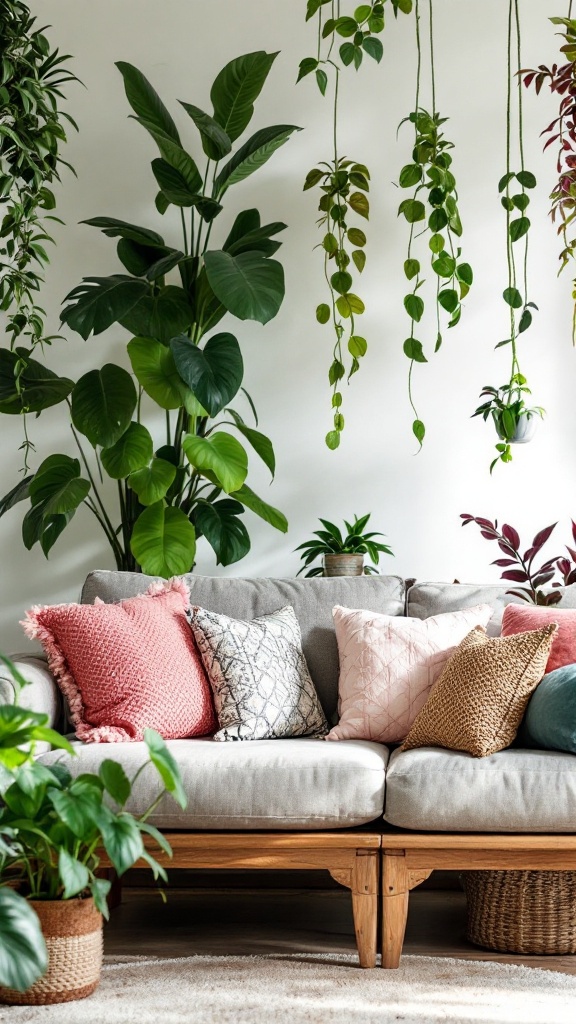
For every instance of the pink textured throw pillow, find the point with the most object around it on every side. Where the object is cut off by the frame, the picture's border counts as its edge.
(519, 618)
(388, 666)
(127, 666)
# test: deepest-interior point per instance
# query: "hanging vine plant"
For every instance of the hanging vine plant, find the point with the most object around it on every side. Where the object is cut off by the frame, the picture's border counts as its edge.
(343, 185)
(507, 405)
(561, 80)
(433, 205)
(31, 136)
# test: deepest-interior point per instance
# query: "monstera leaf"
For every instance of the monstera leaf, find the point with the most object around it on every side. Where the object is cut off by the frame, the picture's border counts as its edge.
(218, 521)
(132, 451)
(213, 373)
(220, 455)
(102, 404)
(163, 541)
(99, 302)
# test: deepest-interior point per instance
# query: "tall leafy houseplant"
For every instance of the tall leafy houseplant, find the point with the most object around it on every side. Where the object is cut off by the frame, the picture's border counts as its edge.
(343, 184)
(433, 215)
(170, 300)
(32, 131)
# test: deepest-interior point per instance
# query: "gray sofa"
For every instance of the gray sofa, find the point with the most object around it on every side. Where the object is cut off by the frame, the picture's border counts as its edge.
(354, 807)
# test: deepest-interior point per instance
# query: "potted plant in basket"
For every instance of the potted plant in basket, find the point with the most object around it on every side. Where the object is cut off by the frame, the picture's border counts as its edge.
(55, 831)
(342, 554)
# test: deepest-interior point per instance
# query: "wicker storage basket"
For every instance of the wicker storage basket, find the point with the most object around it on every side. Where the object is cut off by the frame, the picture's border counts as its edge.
(531, 912)
(73, 933)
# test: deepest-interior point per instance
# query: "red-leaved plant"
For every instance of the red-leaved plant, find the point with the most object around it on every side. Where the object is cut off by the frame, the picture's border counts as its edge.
(535, 577)
(561, 80)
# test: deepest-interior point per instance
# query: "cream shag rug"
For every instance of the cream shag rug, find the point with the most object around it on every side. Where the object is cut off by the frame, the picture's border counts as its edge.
(314, 989)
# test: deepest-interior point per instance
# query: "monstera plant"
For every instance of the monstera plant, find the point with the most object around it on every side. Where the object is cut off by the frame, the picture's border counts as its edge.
(170, 301)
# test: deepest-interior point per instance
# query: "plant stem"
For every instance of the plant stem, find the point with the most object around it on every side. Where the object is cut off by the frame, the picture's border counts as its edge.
(111, 536)
(509, 249)
(432, 70)
(521, 135)
(184, 232)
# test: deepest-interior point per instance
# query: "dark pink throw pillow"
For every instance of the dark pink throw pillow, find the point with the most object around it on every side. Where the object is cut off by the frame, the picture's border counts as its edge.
(519, 618)
(127, 666)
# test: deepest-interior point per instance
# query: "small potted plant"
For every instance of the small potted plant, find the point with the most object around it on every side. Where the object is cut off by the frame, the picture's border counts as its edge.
(54, 830)
(515, 422)
(342, 554)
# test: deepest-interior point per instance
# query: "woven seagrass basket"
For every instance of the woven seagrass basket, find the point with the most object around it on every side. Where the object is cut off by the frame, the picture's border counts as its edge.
(73, 933)
(529, 912)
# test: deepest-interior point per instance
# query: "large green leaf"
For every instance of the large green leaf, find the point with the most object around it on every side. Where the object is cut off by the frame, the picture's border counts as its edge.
(236, 89)
(215, 142)
(175, 184)
(36, 527)
(163, 541)
(253, 155)
(248, 236)
(161, 316)
(261, 444)
(114, 228)
(145, 101)
(73, 874)
(153, 482)
(99, 302)
(166, 765)
(155, 370)
(122, 841)
(18, 493)
(147, 260)
(224, 531)
(261, 508)
(213, 373)
(102, 404)
(221, 455)
(23, 954)
(37, 388)
(132, 451)
(176, 157)
(115, 781)
(57, 486)
(249, 285)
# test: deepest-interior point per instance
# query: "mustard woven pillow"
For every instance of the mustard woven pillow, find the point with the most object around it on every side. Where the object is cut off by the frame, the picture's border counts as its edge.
(481, 696)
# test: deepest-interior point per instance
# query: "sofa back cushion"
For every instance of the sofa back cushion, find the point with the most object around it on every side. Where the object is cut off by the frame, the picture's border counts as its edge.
(424, 599)
(312, 600)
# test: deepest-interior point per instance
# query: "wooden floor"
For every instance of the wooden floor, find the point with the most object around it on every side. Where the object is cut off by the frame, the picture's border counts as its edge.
(225, 922)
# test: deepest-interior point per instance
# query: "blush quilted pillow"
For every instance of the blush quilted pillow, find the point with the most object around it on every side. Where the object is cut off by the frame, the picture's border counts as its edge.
(127, 666)
(388, 666)
(519, 618)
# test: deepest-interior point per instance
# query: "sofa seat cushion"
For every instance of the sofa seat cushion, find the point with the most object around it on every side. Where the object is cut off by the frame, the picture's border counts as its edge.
(515, 790)
(266, 784)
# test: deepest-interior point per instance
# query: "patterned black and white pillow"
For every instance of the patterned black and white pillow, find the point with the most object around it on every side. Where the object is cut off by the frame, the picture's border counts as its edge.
(260, 680)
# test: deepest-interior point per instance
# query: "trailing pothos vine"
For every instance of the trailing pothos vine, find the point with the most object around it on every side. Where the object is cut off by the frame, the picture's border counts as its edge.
(31, 136)
(344, 185)
(506, 405)
(434, 204)
(562, 131)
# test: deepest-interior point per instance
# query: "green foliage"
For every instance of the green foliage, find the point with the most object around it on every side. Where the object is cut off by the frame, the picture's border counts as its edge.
(505, 405)
(32, 133)
(333, 541)
(434, 203)
(343, 184)
(169, 300)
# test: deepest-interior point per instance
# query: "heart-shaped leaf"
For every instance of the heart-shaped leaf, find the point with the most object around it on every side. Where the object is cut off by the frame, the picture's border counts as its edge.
(213, 373)
(155, 369)
(163, 541)
(221, 455)
(57, 485)
(102, 404)
(132, 451)
(73, 874)
(152, 483)
(23, 955)
(160, 316)
(115, 781)
(38, 387)
(248, 286)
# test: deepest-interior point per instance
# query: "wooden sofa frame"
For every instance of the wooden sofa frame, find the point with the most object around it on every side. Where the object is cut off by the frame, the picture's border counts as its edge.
(355, 859)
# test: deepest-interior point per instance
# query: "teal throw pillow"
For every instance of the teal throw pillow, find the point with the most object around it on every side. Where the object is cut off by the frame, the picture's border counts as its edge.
(550, 719)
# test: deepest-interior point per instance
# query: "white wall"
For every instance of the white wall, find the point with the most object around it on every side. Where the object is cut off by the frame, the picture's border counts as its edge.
(415, 499)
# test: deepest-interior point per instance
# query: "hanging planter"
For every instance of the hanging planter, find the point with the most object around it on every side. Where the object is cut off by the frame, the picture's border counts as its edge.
(514, 421)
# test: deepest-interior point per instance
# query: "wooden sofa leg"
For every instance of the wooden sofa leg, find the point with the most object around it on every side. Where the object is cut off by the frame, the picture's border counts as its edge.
(395, 886)
(365, 905)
